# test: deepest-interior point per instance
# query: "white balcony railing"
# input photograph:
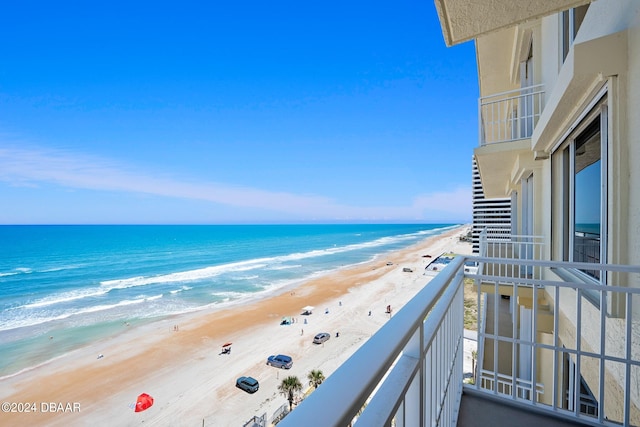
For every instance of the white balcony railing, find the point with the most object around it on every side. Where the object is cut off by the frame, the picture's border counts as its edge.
(510, 116)
(570, 348)
(579, 339)
(409, 373)
(499, 243)
(503, 385)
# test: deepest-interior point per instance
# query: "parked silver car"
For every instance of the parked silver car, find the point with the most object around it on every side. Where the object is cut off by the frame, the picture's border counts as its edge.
(280, 361)
(321, 337)
(248, 384)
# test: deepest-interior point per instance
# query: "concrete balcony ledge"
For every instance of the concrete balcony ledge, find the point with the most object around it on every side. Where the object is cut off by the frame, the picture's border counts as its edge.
(497, 164)
(482, 409)
(463, 20)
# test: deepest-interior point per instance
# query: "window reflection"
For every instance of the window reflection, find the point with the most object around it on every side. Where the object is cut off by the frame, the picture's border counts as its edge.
(587, 196)
(570, 24)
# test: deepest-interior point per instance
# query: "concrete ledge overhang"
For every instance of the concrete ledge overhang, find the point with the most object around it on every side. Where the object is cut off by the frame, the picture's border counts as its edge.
(498, 165)
(463, 20)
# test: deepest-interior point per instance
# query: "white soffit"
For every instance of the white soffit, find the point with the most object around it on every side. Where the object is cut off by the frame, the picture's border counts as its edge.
(463, 20)
(496, 163)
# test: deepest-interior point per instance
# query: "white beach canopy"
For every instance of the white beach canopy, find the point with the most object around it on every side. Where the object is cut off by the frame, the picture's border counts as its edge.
(307, 309)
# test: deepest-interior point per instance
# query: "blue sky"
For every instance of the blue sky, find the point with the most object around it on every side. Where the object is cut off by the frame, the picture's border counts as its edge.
(238, 112)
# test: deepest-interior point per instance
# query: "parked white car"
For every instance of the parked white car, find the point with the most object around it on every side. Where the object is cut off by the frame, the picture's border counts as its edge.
(321, 337)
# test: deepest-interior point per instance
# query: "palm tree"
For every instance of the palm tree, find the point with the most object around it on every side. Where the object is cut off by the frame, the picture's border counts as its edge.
(315, 377)
(289, 387)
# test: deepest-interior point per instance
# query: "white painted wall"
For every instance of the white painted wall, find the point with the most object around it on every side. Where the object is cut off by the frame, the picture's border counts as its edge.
(550, 47)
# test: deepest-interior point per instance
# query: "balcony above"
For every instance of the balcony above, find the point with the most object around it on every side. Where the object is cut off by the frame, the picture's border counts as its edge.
(510, 116)
(507, 120)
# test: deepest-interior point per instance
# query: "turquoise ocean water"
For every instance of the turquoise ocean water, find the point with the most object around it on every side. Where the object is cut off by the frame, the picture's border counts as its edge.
(80, 283)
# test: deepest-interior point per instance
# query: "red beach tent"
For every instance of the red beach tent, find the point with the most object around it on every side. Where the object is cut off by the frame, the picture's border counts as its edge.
(144, 401)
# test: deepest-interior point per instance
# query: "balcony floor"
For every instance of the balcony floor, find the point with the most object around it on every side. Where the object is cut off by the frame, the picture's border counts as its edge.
(476, 410)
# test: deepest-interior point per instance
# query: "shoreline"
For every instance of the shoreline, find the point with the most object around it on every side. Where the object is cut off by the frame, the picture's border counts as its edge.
(77, 330)
(188, 377)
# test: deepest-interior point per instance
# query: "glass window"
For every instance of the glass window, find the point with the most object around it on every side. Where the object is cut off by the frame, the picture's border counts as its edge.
(581, 192)
(587, 184)
(579, 196)
(570, 24)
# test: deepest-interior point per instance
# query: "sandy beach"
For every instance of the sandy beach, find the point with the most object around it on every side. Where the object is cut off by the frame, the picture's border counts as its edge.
(178, 361)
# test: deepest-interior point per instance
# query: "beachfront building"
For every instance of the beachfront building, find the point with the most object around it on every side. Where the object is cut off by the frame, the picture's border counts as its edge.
(558, 300)
(488, 213)
(559, 90)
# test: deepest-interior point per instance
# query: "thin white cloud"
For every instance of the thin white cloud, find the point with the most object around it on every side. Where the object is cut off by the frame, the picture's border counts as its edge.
(456, 201)
(32, 167)
(452, 206)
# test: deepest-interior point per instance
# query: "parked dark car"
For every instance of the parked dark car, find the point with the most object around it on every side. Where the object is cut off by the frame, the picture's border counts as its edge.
(321, 337)
(248, 384)
(280, 361)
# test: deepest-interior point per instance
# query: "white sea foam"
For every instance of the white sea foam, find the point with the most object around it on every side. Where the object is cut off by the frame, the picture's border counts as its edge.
(36, 319)
(184, 276)
(353, 247)
(229, 295)
(242, 278)
(62, 268)
(10, 273)
(284, 267)
(184, 288)
(64, 297)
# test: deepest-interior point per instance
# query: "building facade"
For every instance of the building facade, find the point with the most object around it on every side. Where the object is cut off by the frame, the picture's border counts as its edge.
(559, 137)
(493, 214)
